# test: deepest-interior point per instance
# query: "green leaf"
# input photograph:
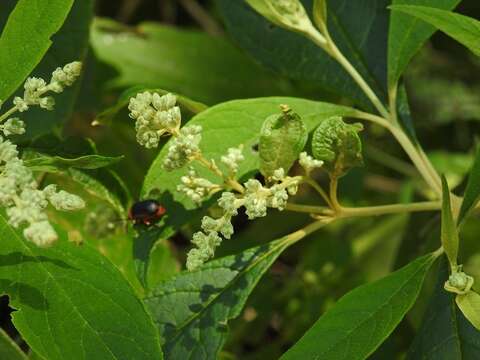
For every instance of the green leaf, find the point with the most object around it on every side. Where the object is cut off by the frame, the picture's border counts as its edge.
(462, 28)
(142, 248)
(282, 139)
(359, 29)
(199, 66)
(26, 38)
(192, 309)
(445, 334)
(229, 125)
(9, 350)
(469, 304)
(72, 302)
(96, 188)
(449, 233)
(472, 192)
(361, 320)
(46, 163)
(338, 145)
(406, 35)
(106, 116)
(69, 44)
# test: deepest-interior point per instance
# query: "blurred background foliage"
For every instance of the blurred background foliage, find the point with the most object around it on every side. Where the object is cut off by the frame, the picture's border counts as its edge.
(181, 46)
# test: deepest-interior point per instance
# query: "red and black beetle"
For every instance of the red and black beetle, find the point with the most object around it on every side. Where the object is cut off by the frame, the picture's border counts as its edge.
(146, 212)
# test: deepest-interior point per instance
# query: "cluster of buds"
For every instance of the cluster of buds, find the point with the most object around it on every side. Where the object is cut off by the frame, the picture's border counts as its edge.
(35, 88)
(195, 187)
(183, 148)
(24, 202)
(154, 116)
(256, 199)
(232, 160)
(459, 282)
(308, 163)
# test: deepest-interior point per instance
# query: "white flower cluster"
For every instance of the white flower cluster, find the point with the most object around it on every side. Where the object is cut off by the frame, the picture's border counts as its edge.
(308, 163)
(24, 202)
(256, 199)
(233, 158)
(196, 188)
(19, 193)
(13, 126)
(207, 241)
(155, 116)
(183, 147)
(35, 88)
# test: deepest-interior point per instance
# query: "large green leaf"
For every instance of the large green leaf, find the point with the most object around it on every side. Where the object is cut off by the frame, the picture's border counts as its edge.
(407, 35)
(445, 334)
(362, 319)
(9, 350)
(472, 192)
(462, 28)
(69, 44)
(192, 309)
(191, 63)
(72, 303)
(229, 125)
(26, 38)
(358, 27)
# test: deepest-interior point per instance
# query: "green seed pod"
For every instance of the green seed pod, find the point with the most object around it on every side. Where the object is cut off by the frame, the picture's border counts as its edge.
(338, 145)
(282, 138)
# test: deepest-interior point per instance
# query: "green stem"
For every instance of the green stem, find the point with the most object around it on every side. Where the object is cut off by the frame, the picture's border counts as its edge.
(8, 114)
(310, 209)
(414, 152)
(334, 52)
(308, 180)
(346, 212)
(390, 209)
(307, 230)
(333, 193)
(232, 183)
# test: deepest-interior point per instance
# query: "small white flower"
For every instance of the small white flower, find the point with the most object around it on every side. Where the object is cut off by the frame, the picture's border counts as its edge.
(196, 188)
(65, 201)
(155, 115)
(278, 175)
(13, 126)
(66, 76)
(228, 202)
(41, 233)
(233, 158)
(278, 198)
(8, 151)
(20, 104)
(255, 199)
(309, 163)
(183, 148)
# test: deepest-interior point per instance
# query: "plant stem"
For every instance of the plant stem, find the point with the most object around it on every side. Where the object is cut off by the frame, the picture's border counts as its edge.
(232, 183)
(414, 152)
(308, 180)
(334, 52)
(333, 193)
(389, 209)
(346, 212)
(8, 113)
(310, 209)
(307, 230)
